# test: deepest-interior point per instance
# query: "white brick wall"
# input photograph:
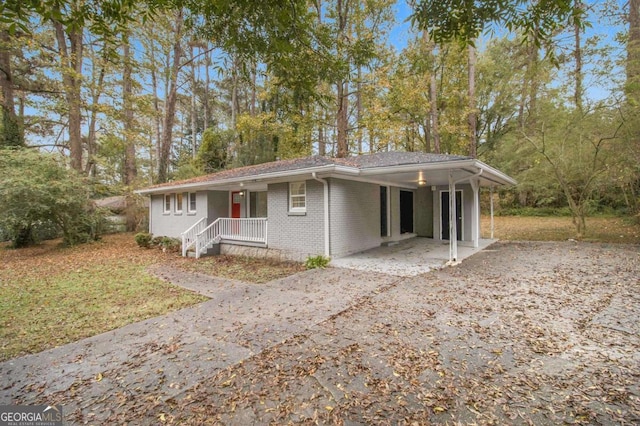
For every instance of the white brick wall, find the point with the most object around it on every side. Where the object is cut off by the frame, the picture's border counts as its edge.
(302, 235)
(354, 216)
(172, 224)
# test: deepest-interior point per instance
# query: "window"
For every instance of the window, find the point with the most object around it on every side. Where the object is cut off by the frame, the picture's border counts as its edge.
(167, 203)
(297, 197)
(258, 204)
(178, 203)
(192, 202)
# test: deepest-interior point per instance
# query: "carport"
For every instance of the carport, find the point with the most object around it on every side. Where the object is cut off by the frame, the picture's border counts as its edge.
(409, 257)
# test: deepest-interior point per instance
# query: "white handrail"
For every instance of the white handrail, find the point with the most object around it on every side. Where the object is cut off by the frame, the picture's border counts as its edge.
(252, 230)
(189, 236)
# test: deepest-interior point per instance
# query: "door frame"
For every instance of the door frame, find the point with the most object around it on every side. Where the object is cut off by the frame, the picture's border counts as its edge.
(231, 203)
(413, 209)
(461, 233)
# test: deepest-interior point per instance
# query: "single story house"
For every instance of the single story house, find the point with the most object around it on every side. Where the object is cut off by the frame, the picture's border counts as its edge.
(326, 206)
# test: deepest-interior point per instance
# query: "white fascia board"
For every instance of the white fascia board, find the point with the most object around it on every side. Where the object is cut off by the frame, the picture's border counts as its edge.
(237, 180)
(505, 179)
(404, 168)
(499, 177)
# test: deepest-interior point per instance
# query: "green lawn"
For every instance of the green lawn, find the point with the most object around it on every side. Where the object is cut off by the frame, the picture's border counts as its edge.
(51, 295)
(599, 229)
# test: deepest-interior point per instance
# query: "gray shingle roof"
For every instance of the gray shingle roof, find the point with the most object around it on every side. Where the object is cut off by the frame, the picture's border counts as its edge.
(397, 158)
(369, 161)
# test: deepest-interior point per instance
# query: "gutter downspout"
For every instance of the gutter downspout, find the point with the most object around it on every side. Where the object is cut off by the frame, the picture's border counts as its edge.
(326, 213)
(453, 213)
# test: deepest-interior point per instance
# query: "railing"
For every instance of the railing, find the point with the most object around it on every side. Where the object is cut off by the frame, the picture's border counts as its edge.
(252, 230)
(189, 236)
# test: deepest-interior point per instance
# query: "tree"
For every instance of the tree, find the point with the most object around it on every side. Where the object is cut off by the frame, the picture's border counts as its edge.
(465, 21)
(37, 190)
(579, 150)
(212, 154)
(12, 134)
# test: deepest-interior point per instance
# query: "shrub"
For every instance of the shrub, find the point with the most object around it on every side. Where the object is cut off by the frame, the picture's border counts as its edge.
(170, 244)
(318, 261)
(143, 239)
(39, 195)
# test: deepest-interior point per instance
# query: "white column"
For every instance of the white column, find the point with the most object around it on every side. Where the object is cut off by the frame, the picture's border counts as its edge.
(475, 212)
(491, 208)
(453, 214)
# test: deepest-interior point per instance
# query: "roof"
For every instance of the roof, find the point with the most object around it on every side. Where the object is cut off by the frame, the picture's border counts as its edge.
(369, 164)
(118, 202)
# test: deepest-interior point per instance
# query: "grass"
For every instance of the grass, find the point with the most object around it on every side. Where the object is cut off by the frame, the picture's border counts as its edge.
(247, 269)
(599, 229)
(53, 295)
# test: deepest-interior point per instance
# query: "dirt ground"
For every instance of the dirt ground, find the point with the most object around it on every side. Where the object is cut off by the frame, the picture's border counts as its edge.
(522, 333)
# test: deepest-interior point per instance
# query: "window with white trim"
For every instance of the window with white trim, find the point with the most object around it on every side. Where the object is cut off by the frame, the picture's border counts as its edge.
(178, 204)
(297, 197)
(192, 202)
(167, 203)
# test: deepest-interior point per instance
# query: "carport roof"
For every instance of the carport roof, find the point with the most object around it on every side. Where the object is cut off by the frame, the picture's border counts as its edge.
(397, 168)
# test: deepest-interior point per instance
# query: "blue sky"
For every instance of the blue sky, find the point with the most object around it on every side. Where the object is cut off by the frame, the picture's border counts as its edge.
(605, 29)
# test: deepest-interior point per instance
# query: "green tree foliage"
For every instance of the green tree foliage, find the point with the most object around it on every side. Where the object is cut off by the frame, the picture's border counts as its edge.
(213, 153)
(466, 20)
(36, 191)
(10, 132)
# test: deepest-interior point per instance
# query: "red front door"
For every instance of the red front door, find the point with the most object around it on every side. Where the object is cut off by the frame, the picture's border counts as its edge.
(236, 203)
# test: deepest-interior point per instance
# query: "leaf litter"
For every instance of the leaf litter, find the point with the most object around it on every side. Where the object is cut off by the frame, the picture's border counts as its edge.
(529, 333)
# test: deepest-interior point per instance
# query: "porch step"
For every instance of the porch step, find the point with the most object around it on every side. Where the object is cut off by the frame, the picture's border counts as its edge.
(214, 250)
(389, 243)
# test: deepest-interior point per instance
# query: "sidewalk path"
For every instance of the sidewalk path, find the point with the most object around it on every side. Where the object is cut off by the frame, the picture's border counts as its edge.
(164, 355)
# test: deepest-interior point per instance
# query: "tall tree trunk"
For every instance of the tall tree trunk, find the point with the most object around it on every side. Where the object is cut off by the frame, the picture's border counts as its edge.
(359, 110)
(13, 133)
(321, 142)
(97, 90)
(170, 104)
(577, 54)
(342, 85)
(207, 81)
(632, 87)
(472, 118)
(233, 146)
(342, 119)
(435, 128)
(71, 64)
(527, 111)
(194, 107)
(130, 168)
(235, 106)
(254, 90)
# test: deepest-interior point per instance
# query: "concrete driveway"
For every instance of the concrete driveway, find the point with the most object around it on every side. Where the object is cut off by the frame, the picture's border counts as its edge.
(525, 333)
(408, 258)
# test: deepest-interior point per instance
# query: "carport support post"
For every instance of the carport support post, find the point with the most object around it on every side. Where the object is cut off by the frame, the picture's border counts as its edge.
(453, 214)
(491, 208)
(475, 220)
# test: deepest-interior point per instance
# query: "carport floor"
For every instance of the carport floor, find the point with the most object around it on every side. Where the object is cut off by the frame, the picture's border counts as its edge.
(408, 258)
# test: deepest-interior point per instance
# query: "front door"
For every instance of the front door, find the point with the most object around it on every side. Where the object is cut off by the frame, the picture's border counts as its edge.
(444, 214)
(406, 212)
(236, 204)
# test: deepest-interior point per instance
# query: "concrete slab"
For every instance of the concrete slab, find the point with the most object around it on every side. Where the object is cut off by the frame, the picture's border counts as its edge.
(408, 258)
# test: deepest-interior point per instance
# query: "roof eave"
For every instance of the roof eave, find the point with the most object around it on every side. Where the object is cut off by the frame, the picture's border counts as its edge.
(329, 168)
(402, 168)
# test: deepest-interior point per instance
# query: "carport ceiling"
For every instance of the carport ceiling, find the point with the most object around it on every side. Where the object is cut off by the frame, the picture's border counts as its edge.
(430, 177)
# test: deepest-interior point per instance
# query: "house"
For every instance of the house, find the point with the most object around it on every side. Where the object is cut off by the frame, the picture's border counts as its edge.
(326, 206)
